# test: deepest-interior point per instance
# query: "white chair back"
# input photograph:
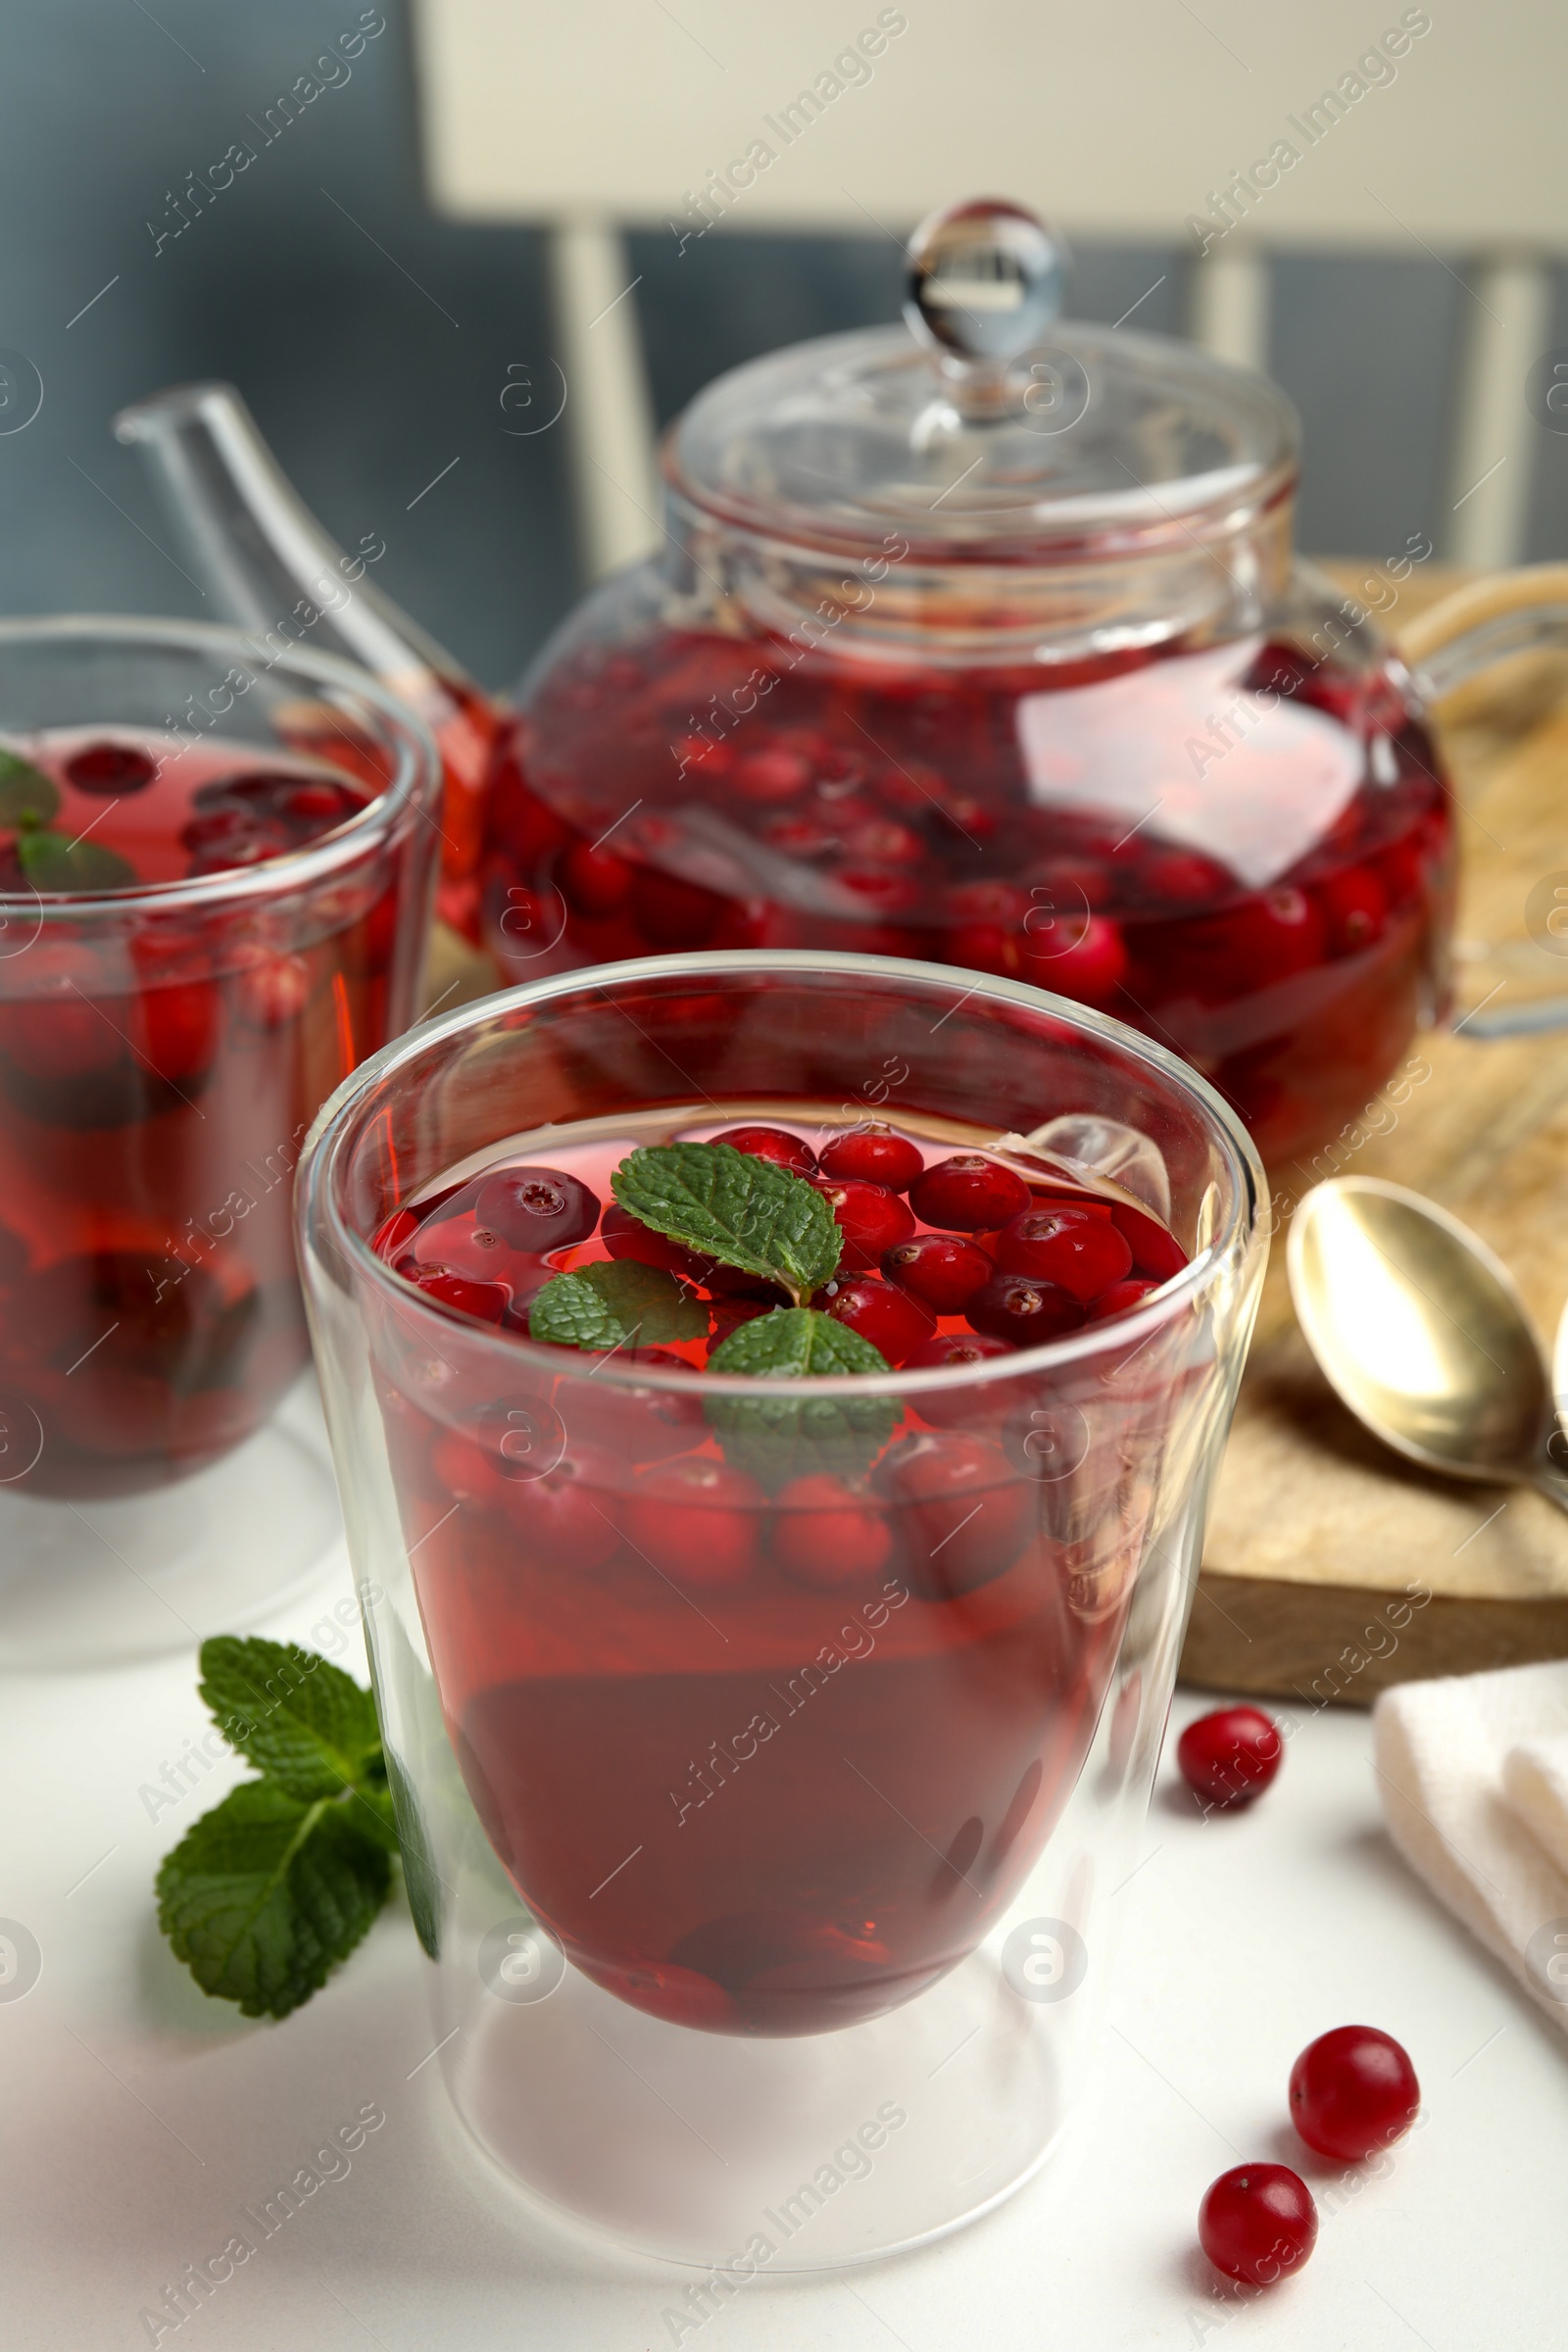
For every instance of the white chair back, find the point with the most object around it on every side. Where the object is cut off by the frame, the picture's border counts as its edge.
(1234, 128)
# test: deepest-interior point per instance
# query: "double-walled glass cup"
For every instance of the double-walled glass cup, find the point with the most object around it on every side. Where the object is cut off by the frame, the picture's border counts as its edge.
(164, 1046)
(767, 1922)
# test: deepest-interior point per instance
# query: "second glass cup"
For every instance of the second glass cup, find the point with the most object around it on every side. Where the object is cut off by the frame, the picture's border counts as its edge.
(213, 905)
(764, 1747)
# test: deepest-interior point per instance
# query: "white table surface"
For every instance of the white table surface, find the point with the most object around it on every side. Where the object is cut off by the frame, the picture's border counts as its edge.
(138, 2117)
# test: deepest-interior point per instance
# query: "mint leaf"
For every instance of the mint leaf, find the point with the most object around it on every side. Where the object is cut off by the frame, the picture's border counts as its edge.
(797, 1342)
(615, 1304)
(421, 1880)
(27, 795)
(52, 862)
(298, 1718)
(780, 1437)
(266, 1893)
(732, 1206)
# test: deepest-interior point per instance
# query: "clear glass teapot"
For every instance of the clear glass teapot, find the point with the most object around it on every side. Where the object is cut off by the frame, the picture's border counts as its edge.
(981, 644)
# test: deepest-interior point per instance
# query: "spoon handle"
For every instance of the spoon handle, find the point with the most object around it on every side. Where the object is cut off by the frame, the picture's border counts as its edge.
(1553, 1485)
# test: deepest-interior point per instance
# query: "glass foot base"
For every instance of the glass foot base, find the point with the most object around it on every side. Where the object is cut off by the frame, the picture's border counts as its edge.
(97, 1584)
(752, 2158)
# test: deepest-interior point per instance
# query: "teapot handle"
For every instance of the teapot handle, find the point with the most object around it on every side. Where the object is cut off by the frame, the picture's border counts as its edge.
(1512, 613)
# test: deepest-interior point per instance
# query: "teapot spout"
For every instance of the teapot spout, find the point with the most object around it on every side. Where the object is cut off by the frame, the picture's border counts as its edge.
(267, 562)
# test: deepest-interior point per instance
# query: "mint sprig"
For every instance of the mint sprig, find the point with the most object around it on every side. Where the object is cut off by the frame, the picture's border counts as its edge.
(780, 1437)
(51, 862)
(28, 797)
(731, 1205)
(278, 1882)
(618, 1302)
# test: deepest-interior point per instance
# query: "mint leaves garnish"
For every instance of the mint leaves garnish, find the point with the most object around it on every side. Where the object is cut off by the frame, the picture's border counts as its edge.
(733, 1206)
(795, 1343)
(780, 1437)
(615, 1304)
(282, 1880)
(51, 861)
(28, 797)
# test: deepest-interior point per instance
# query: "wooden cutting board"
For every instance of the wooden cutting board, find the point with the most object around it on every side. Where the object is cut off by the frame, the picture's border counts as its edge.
(1332, 1567)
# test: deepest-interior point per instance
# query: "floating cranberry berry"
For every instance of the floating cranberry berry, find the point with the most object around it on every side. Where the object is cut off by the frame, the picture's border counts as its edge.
(111, 768)
(1156, 1252)
(968, 1194)
(875, 1153)
(1351, 2091)
(596, 881)
(1023, 1309)
(826, 1533)
(627, 1235)
(1230, 1756)
(1118, 1299)
(487, 1301)
(769, 776)
(871, 1219)
(941, 1270)
(772, 1144)
(1083, 1253)
(535, 1209)
(971, 1405)
(964, 1516)
(1258, 2222)
(697, 1520)
(1356, 906)
(893, 1322)
(565, 1516)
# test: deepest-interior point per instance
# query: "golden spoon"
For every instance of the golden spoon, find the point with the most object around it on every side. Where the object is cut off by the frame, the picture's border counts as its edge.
(1422, 1333)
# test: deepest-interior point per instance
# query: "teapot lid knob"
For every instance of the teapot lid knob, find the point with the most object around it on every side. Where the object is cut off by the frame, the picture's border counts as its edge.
(984, 282)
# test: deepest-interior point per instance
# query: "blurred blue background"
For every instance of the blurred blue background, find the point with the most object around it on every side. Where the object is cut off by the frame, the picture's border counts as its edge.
(372, 340)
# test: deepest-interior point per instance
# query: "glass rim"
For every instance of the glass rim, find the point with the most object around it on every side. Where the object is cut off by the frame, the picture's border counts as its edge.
(333, 1128)
(419, 761)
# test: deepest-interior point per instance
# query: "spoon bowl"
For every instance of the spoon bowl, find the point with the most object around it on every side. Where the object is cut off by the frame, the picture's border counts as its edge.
(1421, 1331)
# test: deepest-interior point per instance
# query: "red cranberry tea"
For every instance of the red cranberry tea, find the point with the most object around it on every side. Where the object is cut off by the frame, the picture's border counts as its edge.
(158, 1072)
(1246, 854)
(768, 1707)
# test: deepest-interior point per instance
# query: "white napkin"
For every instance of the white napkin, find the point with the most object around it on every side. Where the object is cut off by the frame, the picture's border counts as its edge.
(1473, 1772)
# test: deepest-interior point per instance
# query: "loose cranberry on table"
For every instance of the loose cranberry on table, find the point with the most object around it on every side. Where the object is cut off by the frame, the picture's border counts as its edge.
(871, 1219)
(940, 1269)
(774, 1143)
(968, 1194)
(1230, 1756)
(1081, 1253)
(828, 1533)
(1256, 2223)
(876, 1153)
(1351, 2091)
(895, 1323)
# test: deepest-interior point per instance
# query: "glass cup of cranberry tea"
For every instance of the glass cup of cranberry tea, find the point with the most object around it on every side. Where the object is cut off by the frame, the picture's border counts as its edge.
(215, 862)
(774, 1396)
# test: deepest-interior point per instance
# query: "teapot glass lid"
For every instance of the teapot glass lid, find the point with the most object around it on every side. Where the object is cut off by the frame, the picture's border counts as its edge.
(993, 433)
